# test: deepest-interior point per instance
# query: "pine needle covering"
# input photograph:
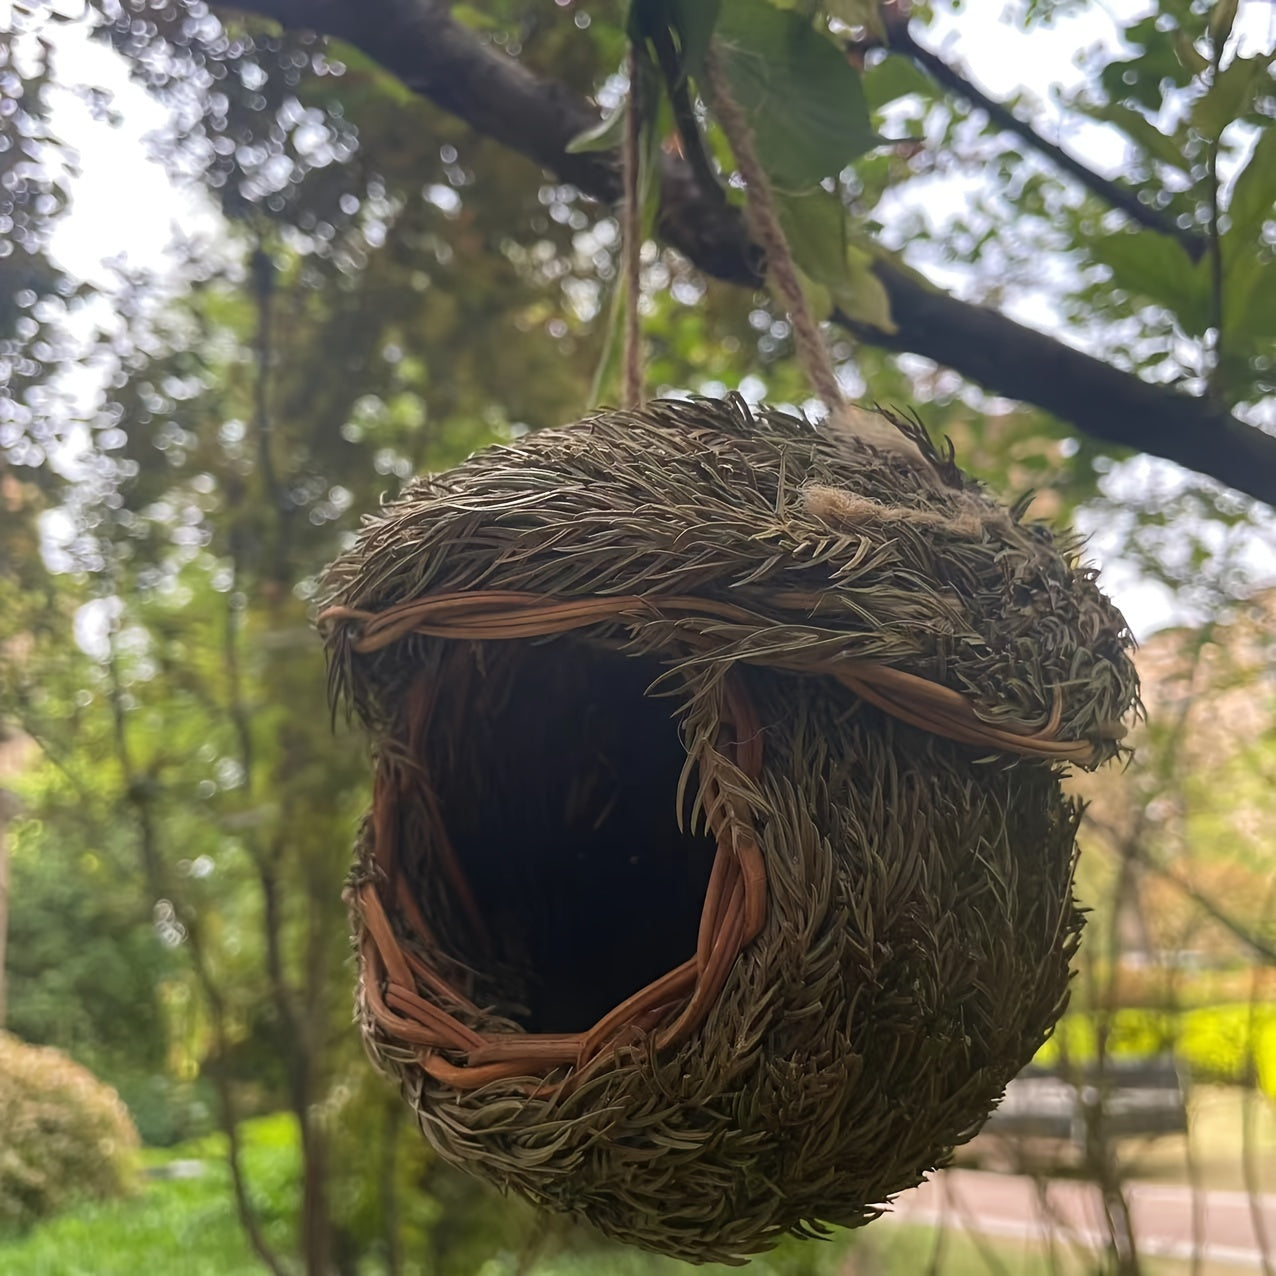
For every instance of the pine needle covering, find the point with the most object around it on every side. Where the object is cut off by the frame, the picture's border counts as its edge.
(718, 873)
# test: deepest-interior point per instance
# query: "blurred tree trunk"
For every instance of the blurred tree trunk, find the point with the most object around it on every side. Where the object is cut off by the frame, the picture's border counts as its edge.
(8, 808)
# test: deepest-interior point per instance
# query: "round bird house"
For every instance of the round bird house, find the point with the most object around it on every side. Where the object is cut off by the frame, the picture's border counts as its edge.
(718, 872)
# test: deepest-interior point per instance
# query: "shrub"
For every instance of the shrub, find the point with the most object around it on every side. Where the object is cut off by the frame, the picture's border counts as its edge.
(64, 1135)
(1233, 1043)
(166, 1111)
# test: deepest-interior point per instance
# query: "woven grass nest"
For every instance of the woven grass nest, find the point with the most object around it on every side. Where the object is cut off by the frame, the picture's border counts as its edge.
(718, 872)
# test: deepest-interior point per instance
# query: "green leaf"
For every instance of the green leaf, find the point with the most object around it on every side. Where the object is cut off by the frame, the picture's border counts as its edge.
(1254, 195)
(1140, 130)
(815, 225)
(657, 125)
(475, 18)
(1145, 79)
(865, 297)
(819, 299)
(1231, 95)
(802, 98)
(1258, 319)
(606, 135)
(1249, 317)
(1249, 294)
(364, 76)
(895, 76)
(693, 22)
(1158, 269)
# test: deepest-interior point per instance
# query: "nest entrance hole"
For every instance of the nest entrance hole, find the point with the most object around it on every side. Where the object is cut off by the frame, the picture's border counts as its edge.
(557, 779)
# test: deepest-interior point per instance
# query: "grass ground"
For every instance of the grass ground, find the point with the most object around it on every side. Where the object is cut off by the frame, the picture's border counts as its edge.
(187, 1227)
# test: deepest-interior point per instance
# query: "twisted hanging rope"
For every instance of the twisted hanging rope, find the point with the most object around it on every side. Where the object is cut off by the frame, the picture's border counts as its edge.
(816, 361)
(631, 239)
(812, 352)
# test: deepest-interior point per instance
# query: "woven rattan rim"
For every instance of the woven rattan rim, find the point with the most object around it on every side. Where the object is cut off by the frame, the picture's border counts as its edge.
(397, 983)
(497, 614)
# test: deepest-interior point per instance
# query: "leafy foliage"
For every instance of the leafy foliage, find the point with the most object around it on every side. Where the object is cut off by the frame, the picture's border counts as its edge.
(804, 102)
(1230, 1042)
(89, 971)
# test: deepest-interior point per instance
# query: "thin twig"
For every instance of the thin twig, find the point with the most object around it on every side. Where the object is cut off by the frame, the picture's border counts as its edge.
(292, 1008)
(263, 281)
(935, 1265)
(812, 353)
(1216, 273)
(1249, 1158)
(1261, 949)
(970, 1225)
(1100, 1155)
(1191, 1163)
(1215, 245)
(389, 1187)
(900, 39)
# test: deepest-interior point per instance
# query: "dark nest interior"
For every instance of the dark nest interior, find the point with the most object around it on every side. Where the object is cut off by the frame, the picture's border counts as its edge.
(556, 776)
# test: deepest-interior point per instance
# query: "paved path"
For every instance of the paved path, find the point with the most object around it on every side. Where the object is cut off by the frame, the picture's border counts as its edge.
(1166, 1224)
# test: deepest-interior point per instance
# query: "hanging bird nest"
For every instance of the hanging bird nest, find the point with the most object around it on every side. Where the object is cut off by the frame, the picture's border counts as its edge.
(718, 873)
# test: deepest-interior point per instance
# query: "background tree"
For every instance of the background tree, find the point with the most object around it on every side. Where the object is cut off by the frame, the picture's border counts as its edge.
(1181, 236)
(414, 254)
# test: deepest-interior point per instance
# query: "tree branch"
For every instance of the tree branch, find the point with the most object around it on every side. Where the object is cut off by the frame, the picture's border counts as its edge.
(420, 43)
(900, 39)
(684, 113)
(1100, 400)
(432, 54)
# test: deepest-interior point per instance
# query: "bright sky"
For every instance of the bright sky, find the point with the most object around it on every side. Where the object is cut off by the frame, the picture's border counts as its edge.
(103, 227)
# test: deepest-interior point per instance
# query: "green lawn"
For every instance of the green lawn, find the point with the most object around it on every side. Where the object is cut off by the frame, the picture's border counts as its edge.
(182, 1226)
(188, 1227)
